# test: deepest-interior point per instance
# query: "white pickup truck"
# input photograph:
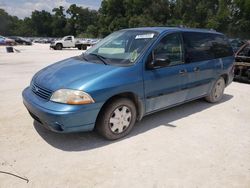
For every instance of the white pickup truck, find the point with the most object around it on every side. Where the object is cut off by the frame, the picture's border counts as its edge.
(70, 42)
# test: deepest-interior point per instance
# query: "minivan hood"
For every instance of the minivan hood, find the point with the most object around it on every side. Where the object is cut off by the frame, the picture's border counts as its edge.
(66, 73)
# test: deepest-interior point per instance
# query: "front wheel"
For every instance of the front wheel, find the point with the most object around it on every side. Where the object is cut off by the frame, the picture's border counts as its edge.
(217, 91)
(116, 119)
(58, 47)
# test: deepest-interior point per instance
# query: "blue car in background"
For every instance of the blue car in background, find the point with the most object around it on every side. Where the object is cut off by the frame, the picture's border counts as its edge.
(129, 74)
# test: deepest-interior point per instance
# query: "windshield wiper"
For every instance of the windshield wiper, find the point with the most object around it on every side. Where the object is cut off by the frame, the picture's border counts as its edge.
(103, 59)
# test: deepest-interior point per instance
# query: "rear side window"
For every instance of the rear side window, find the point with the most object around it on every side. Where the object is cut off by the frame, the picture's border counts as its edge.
(205, 46)
(221, 46)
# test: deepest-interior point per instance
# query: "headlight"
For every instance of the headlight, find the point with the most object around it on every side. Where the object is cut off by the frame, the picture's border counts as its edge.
(69, 96)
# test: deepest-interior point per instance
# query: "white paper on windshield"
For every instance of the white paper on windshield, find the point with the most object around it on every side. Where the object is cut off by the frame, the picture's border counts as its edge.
(145, 36)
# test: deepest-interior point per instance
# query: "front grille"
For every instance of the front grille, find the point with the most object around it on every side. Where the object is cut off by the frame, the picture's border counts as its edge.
(40, 91)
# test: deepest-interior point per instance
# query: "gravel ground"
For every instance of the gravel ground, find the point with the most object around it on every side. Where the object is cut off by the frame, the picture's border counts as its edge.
(194, 145)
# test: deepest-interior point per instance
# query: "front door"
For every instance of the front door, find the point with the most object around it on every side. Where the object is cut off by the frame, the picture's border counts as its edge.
(68, 42)
(163, 86)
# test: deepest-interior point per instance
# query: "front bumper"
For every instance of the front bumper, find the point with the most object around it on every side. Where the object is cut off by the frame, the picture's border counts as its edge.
(52, 45)
(61, 117)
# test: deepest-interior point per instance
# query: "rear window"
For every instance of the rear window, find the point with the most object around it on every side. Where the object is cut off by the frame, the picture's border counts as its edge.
(205, 46)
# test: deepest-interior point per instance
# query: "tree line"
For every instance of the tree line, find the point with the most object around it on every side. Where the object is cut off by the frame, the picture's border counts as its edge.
(231, 17)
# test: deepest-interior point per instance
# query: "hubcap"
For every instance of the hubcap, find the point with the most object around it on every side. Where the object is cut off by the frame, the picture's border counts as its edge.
(219, 87)
(120, 119)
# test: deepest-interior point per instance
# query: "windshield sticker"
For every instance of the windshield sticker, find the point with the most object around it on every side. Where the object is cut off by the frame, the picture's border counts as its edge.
(145, 36)
(134, 56)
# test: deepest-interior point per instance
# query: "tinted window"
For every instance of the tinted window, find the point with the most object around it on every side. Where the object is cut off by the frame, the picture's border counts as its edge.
(170, 47)
(221, 46)
(197, 47)
(205, 46)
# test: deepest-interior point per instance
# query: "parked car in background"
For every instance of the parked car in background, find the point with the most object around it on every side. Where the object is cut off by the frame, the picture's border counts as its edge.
(95, 41)
(236, 44)
(2, 41)
(43, 40)
(70, 42)
(6, 41)
(21, 40)
(242, 64)
(128, 75)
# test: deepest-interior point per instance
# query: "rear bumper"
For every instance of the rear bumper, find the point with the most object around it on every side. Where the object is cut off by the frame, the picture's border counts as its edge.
(65, 118)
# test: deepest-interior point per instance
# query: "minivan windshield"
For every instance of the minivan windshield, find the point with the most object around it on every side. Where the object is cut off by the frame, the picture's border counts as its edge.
(122, 47)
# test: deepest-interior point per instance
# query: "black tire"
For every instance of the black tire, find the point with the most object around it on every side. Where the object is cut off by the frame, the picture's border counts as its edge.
(216, 96)
(103, 125)
(58, 47)
(79, 47)
(84, 47)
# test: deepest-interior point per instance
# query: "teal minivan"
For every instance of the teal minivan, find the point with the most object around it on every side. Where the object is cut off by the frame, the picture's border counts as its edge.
(129, 74)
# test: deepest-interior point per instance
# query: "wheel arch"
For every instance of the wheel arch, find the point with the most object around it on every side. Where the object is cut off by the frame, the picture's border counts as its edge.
(131, 96)
(59, 43)
(225, 76)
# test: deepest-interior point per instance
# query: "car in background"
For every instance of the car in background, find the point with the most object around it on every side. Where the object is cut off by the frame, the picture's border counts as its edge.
(236, 44)
(43, 40)
(2, 41)
(70, 42)
(7, 41)
(127, 75)
(242, 63)
(94, 41)
(21, 40)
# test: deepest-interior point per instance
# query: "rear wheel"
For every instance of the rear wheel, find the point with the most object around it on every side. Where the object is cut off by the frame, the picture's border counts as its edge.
(217, 91)
(116, 119)
(84, 47)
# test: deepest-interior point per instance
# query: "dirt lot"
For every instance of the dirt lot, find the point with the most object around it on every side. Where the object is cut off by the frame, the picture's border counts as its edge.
(193, 145)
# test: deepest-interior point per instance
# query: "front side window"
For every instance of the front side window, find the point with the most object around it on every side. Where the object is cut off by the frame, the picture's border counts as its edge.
(122, 47)
(170, 47)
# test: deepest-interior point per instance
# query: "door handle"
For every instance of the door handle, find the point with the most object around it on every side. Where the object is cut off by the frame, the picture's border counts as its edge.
(196, 69)
(182, 71)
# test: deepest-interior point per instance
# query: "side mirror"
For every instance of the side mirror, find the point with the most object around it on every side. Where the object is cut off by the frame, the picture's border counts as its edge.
(155, 62)
(160, 62)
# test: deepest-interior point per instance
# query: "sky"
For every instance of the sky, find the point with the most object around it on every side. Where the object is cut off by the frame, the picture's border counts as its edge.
(23, 8)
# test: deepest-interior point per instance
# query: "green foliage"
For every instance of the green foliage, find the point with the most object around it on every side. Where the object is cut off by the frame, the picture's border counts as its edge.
(7, 22)
(229, 16)
(59, 22)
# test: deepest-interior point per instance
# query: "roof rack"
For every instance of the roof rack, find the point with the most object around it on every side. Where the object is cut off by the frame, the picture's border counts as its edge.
(204, 29)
